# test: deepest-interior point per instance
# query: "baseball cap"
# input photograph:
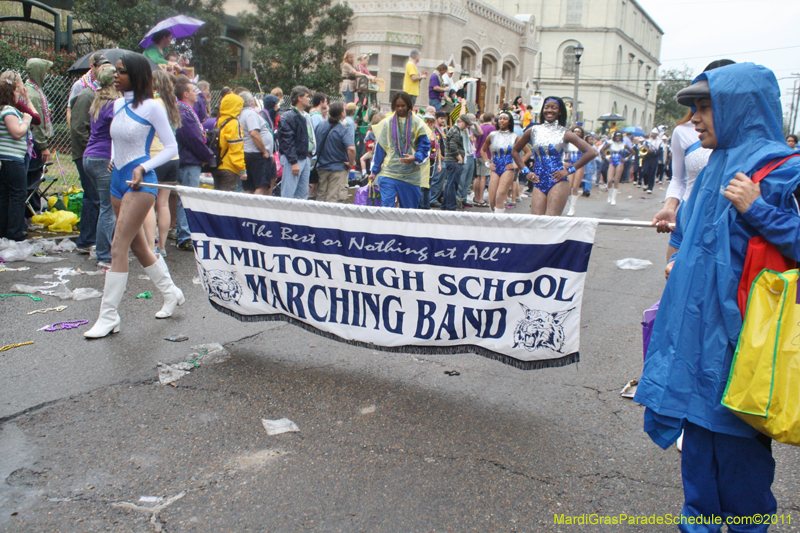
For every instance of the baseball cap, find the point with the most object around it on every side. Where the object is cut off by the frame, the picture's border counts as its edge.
(98, 59)
(688, 95)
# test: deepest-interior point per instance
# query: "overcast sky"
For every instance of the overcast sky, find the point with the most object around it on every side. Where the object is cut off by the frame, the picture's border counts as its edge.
(697, 32)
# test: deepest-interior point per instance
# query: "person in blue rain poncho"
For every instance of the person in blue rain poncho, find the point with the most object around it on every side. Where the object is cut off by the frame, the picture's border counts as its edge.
(727, 467)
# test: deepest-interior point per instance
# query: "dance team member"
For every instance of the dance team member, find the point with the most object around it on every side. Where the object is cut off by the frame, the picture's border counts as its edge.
(548, 142)
(137, 118)
(616, 153)
(497, 149)
(574, 155)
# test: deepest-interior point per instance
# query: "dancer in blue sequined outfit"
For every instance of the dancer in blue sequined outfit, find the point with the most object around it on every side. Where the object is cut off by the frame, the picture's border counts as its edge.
(548, 142)
(616, 153)
(497, 152)
(572, 155)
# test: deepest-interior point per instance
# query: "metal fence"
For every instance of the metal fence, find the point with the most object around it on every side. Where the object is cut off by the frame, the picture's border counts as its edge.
(81, 47)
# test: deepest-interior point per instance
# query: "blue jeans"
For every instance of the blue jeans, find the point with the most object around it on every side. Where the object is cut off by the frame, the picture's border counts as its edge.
(96, 169)
(188, 176)
(295, 186)
(349, 96)
(454, 171)
(424, 198)
(89, 210)
(437, 180)
(467, 174)
(436, 102)
(588, 175)
(407, 194)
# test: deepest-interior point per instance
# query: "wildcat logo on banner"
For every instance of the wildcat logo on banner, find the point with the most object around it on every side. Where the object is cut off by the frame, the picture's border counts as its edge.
(397, 280)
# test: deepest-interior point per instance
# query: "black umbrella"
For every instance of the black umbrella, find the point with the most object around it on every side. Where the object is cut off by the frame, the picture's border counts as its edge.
(611, 117)
(112, 54)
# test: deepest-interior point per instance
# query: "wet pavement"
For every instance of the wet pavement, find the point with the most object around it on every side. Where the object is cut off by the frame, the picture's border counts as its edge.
(387, 442)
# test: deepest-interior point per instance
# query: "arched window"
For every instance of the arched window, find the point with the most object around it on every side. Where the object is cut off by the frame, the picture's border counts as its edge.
(625, 111)
(635, 115)
(614, 109)
(568, 62)
(619, 63)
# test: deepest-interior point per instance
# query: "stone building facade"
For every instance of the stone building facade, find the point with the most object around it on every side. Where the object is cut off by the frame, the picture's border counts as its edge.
(520, 47)
(478, 40)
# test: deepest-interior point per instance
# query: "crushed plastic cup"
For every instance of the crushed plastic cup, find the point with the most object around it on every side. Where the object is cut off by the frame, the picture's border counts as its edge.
(276, 427)
(63, 292)
(43, 259)
(631, 263)
(17, 251)
(208, 354)
(67, 245)
(86, 293)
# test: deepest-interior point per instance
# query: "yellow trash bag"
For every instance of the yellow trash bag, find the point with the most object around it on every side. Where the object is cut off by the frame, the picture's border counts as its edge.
(54, 220)
(764, 383)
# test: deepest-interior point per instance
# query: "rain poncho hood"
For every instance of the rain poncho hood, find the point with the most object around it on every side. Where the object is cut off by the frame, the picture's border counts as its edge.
(37, 70)
(231, 141)
(230, 106)
(698, 322)
(269, 107)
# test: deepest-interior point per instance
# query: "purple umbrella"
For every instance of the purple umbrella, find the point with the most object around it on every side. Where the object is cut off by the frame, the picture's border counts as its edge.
(180, 27)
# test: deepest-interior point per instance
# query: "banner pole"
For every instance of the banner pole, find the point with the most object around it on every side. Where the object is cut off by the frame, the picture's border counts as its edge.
(600, 221)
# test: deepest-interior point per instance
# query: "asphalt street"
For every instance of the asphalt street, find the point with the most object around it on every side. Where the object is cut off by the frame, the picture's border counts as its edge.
(90, 441)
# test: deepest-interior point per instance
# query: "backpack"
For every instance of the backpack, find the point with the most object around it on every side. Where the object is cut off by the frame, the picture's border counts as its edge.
(213, 143)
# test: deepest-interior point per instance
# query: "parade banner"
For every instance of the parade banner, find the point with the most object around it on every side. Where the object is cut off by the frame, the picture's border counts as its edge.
(508, 288)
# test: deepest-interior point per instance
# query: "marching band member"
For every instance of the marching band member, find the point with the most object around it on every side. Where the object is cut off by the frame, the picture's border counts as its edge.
(650, 164)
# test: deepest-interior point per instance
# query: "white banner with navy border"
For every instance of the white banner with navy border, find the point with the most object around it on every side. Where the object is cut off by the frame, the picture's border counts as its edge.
(507, 288)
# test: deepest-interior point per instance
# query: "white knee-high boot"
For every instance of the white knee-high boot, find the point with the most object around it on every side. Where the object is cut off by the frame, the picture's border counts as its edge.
(573, 201)
(108, 321)
(613, 196)
(173, 296)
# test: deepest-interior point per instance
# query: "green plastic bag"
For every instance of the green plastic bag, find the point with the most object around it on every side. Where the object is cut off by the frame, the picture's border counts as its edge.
(75, 203)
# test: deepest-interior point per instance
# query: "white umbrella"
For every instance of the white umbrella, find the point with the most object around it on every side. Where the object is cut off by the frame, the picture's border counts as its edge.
(180, 27)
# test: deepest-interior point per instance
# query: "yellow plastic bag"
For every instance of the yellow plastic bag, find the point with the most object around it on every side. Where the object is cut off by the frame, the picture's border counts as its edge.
(61, 221)
(764, 383)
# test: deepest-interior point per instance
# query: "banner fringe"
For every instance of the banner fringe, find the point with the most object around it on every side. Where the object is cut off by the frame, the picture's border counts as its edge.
(416, 350)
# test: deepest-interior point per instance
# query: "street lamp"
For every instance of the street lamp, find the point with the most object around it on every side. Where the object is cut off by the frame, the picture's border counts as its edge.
(647, 86)
(578, 53)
